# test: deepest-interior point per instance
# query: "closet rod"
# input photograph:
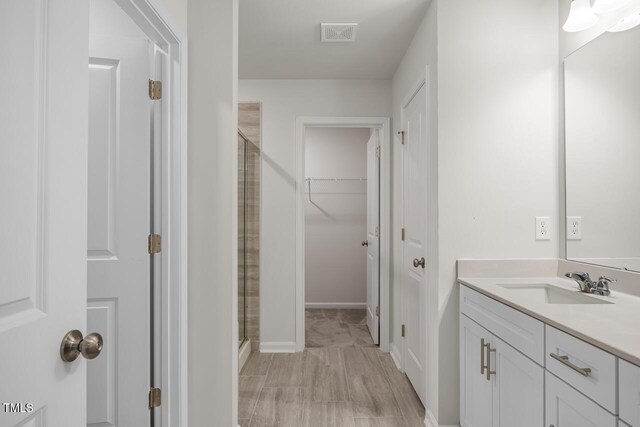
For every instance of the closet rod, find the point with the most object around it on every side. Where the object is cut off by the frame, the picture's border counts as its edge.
(337, 179)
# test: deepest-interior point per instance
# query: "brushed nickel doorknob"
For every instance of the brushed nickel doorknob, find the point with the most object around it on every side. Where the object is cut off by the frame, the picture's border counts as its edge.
(74, 344)
(418, 262)
(365, 243)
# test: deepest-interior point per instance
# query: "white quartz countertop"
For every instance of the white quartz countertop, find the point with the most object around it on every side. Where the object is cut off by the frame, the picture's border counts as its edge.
(612, 327)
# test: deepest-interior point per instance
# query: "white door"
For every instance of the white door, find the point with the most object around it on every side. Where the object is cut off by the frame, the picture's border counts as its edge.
(567, 407)
(475, 388)
(43, 209)
(414, 186)
(373, 235)
(119, 224)
(518, 388)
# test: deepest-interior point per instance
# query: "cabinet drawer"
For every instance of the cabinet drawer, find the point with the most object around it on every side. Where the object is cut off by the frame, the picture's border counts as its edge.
(566, 407)
(585, 367)
(629, 393)
(521, 331)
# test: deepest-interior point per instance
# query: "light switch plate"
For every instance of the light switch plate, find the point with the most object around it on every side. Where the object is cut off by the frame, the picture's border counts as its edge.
(574, 228)
(543, 228)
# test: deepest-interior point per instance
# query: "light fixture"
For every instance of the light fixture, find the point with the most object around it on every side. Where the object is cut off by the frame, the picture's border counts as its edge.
(580, 16)
(605, 6)
(627, 23)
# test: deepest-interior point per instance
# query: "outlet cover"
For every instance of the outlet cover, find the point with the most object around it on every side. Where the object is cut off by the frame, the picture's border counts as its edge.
(574, 228)
(543, 228)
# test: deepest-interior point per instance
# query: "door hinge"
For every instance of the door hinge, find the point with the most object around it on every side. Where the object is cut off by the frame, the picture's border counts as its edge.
(403, 331)
(378, 310)
(377, 232)
(378, 152)
(155, 398)
(155, 243)
(401, 133)
(402, 234)
(155, 89)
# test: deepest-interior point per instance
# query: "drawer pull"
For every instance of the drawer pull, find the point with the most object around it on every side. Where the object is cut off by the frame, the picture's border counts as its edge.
(482, 362)
(489, 371)
(565, 361)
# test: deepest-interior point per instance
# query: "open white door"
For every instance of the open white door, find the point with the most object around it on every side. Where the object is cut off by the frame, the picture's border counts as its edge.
(119, 281)
(43, 209)
(414, 244)
(373, 235)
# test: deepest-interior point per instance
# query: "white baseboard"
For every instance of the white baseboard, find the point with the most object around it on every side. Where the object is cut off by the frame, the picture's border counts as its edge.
(430, 420)
(360, 305)
(395, 355)
(278, 347)
(243, 354)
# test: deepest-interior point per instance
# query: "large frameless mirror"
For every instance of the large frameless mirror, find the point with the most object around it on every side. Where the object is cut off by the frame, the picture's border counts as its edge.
(602, 131)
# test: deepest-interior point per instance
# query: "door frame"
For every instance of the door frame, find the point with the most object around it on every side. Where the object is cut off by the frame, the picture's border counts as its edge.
(383, 124)
(152, 17)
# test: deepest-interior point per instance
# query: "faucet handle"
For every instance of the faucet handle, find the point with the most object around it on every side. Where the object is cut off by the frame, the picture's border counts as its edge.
(602, 286)
(605, 281)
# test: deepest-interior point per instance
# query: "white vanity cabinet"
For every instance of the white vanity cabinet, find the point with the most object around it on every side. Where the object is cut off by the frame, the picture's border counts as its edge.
(500, 386)
(517, 371)
(629, 393)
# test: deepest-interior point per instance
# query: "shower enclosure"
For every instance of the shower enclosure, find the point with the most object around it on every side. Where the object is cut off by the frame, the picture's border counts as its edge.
(248, 233)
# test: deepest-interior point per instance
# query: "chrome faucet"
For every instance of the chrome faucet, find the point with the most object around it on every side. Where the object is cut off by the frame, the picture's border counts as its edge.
(601, 287)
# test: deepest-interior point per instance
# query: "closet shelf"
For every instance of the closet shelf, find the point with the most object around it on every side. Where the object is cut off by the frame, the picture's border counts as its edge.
(335, 185)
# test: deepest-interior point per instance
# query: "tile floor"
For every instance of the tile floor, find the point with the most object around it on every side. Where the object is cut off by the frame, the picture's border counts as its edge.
(341, 380)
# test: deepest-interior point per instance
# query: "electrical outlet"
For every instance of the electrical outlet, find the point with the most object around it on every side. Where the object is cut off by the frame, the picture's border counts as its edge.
(574, 227)
(543, 228)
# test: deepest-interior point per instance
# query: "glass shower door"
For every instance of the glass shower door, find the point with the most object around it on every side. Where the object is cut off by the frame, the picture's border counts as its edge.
(242, 256)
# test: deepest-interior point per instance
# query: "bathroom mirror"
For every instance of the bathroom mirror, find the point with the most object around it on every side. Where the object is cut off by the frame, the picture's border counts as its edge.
(602, 134)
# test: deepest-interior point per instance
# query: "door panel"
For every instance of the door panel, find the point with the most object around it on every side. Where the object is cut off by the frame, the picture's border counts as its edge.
(118, 227)
(414, 246)
(518, 388)
(566, 407)
(373, 235)
(475, 390)
(43, 183)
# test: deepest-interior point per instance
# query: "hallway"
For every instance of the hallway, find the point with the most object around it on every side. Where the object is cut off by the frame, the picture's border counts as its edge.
(340, 380)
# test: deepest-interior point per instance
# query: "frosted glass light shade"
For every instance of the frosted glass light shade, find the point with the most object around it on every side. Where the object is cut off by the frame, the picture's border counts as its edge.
(605, 6)
(580, 17)
(627, 23)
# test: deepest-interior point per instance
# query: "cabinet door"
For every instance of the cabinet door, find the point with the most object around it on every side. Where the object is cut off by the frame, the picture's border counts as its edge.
(475, 389)
(566, 407)
(629, 393)
(518, 388)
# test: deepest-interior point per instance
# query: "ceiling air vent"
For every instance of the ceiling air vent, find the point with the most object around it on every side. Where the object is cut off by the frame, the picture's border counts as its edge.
(336, 33)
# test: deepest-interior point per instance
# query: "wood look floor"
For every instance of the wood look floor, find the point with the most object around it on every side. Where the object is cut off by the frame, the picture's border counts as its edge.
(342, 379)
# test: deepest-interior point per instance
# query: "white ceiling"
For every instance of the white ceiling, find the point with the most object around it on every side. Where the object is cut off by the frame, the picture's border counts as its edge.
(280, 39)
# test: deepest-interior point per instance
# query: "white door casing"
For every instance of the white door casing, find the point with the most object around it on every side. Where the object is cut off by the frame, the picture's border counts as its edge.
(414, 245)
(373, 233)
(43, 208)
(118, 227)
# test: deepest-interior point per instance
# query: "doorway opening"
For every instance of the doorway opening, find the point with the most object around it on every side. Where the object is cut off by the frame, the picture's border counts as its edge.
(342, 236)
(342, 228)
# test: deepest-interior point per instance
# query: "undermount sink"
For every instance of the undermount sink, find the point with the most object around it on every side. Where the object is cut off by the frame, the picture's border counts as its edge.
(543, 292)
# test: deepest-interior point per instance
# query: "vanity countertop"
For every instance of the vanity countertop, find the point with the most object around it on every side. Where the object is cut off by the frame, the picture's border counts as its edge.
(612, 327)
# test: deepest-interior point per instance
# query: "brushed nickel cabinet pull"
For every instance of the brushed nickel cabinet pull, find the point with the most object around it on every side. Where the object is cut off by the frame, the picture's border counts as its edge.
(482, 365)
(565, 361)
(489, 371)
